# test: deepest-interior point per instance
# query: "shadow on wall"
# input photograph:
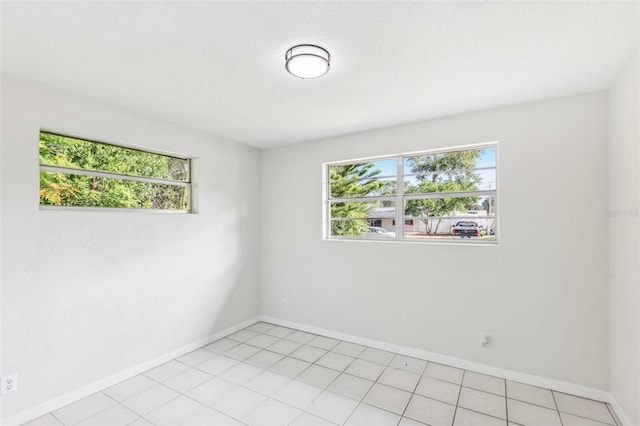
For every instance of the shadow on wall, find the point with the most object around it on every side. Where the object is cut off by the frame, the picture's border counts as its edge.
(120, 294)
(227, 286)
(211, 281)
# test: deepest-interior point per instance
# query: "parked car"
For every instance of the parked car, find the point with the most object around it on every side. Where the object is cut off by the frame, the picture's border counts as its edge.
(465, 229)
(376, 231)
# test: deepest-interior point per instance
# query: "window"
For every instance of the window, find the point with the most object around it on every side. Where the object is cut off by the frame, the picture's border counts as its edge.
(81, 173)
(447, 195)
(406, 222)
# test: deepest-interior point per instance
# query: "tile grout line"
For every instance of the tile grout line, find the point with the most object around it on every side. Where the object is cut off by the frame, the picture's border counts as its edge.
(118, 403)
(323, 389)
(459, 393)
(557, 408)
(613, 415)
(361, 401)
(461, 386)
(368, 391)
(139, 393)
(589, 418)
(506, 402)
(455, 412)
(336, 378)
(326, 389)
(413, 393)
(188, 396)
(57, 419)
(291, 378)
(92, 415)
(239, 361)
(533, 403)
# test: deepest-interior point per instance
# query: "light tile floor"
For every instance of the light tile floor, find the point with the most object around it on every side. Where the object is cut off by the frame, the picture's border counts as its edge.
(267, 375)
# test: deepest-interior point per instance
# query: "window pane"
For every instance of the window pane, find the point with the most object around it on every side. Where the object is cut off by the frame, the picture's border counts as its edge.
(447, 161)
(64, 151)
(471, 180)
(449, 218)
(441, 191)
(65, 189)
(370, 187)
(478, 180)
(450, 172)
(487, 157)
(488, 179)
(379, 168)
(363, 219)
(365, 179)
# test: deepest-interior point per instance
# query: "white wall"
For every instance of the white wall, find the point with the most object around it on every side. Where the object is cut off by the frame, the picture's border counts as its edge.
(542, 293)
(624, 229)
(88, 294)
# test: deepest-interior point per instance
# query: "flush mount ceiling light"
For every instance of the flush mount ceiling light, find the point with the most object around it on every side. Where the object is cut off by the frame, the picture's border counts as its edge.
(307, 61)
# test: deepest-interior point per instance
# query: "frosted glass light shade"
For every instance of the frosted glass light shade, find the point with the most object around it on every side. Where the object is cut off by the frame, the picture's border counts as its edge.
(307, 61)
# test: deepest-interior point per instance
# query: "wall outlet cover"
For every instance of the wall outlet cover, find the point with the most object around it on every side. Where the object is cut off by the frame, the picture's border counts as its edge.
(9, 383)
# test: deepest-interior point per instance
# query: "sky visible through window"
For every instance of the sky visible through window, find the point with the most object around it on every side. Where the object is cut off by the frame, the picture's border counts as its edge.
(436, 190)
(487, 158)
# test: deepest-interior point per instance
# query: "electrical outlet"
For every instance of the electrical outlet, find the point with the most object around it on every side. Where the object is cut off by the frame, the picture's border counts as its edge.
(284, 303)
(9, 383)
(484, 339)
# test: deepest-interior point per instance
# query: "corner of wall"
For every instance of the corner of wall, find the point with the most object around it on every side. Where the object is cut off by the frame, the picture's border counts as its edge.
(624, 247)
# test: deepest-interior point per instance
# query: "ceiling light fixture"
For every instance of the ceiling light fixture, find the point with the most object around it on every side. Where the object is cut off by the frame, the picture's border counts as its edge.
(307, 61)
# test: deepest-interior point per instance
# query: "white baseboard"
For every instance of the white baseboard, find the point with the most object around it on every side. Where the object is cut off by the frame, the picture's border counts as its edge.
(622, 417)
(543, 382)
(557, 385)
(73, 396)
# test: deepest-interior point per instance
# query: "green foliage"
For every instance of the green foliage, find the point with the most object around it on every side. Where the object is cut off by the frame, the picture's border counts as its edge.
(69, 189)
(353, 181)
(442, 173)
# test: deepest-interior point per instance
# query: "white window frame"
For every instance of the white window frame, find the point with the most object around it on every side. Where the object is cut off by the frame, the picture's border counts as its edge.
(103, 174)
(400, 197)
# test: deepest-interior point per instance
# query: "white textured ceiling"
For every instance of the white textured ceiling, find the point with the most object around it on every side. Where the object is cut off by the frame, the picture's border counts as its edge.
(219, 66)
